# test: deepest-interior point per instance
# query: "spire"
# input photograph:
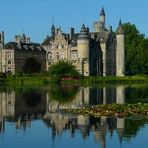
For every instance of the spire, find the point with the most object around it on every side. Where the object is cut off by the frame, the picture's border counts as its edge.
(120, 28)
(120, 23)
(52, 28)
(102, 12)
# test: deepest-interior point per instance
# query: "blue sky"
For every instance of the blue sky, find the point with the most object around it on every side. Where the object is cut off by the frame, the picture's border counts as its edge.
(34, 17)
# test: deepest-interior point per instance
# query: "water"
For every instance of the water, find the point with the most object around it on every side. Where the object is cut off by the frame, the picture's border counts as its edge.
(32, 118)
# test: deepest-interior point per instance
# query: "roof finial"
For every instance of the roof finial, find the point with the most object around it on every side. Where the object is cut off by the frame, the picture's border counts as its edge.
(52, 20)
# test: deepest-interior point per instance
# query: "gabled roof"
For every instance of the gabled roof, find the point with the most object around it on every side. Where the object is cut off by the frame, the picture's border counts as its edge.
(11, 45)
(48, 40)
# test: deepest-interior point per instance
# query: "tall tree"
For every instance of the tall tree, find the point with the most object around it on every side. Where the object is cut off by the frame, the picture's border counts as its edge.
(135, 50)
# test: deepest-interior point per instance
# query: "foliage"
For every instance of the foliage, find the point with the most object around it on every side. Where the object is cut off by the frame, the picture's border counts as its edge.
(63, 93)
(31, 66)
(32, 98)
(63, 69)
(136, 45)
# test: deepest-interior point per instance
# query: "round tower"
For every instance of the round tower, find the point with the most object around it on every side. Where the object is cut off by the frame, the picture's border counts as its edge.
(120, 51)
(83, 51)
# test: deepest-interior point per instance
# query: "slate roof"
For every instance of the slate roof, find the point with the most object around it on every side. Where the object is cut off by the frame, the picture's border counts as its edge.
(48, 40)
(102, 12)
(25, 46)
(120, 28)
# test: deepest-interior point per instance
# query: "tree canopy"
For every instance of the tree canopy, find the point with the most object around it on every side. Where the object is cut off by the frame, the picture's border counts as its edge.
(62, 69)
(136, 51)
(32, 66)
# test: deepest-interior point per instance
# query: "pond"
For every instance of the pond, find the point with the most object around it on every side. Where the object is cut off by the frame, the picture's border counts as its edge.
(33, 117)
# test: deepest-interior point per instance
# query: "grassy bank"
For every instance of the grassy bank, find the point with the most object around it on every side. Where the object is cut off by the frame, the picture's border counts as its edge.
(44, 79)
(25, 80)
(112, 110)
(110, 80)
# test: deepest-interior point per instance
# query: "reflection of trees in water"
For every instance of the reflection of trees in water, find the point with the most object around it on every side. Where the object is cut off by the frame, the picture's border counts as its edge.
(63, 93)
(136, 94)
(132, 127)
(32, 98)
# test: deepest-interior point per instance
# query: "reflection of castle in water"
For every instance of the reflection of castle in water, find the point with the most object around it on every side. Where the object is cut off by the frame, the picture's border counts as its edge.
(21, 107)
(30, 104)
(99, 127)
(87, 96)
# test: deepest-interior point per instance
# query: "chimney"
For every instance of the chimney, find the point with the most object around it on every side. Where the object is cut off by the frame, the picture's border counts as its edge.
(27, 39)
(110, 28)
(72, 31)
(2, 39)
(87, 29)
(18, 39)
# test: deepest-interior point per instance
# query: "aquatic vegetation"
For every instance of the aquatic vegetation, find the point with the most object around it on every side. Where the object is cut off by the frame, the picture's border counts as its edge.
(112, 110)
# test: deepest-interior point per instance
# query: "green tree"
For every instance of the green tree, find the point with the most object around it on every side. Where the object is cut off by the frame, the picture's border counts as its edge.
(62, 69)
(135, 51)
(32, 66)
(144, 61)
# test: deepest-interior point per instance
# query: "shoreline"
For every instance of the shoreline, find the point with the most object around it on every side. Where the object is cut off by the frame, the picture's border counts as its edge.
(43, 79)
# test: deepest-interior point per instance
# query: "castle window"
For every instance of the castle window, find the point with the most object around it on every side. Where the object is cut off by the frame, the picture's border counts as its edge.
(49, 57)
(8, 54)
(58, 55)
(62, 56)
(26, 47)
(9, 62)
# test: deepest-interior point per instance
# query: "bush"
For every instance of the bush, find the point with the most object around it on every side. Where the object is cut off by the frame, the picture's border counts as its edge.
(63, 69)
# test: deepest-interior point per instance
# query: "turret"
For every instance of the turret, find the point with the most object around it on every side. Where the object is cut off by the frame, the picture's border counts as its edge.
(83, 51)
(23, 40)
(120, 51)
(83, 43)
(102, 16)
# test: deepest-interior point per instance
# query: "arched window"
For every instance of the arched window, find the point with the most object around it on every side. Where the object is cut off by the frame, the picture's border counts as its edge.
(48, 56)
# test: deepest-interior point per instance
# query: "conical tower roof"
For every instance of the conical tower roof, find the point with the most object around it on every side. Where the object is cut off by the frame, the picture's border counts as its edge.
(83, 33)
(120, 28)
(102, 12)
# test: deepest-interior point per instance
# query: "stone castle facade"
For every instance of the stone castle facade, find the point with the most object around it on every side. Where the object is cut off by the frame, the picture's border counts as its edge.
(14, 55)
(98, 53)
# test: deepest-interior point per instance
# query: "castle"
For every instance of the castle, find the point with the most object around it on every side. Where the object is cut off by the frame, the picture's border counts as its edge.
(15, 55)
(97, 53)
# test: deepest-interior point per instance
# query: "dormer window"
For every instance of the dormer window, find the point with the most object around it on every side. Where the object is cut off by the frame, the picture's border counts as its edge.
(32, 47)
(26, 47)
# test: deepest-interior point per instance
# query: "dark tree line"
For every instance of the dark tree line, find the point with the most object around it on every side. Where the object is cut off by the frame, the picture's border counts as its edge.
(136, 51)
